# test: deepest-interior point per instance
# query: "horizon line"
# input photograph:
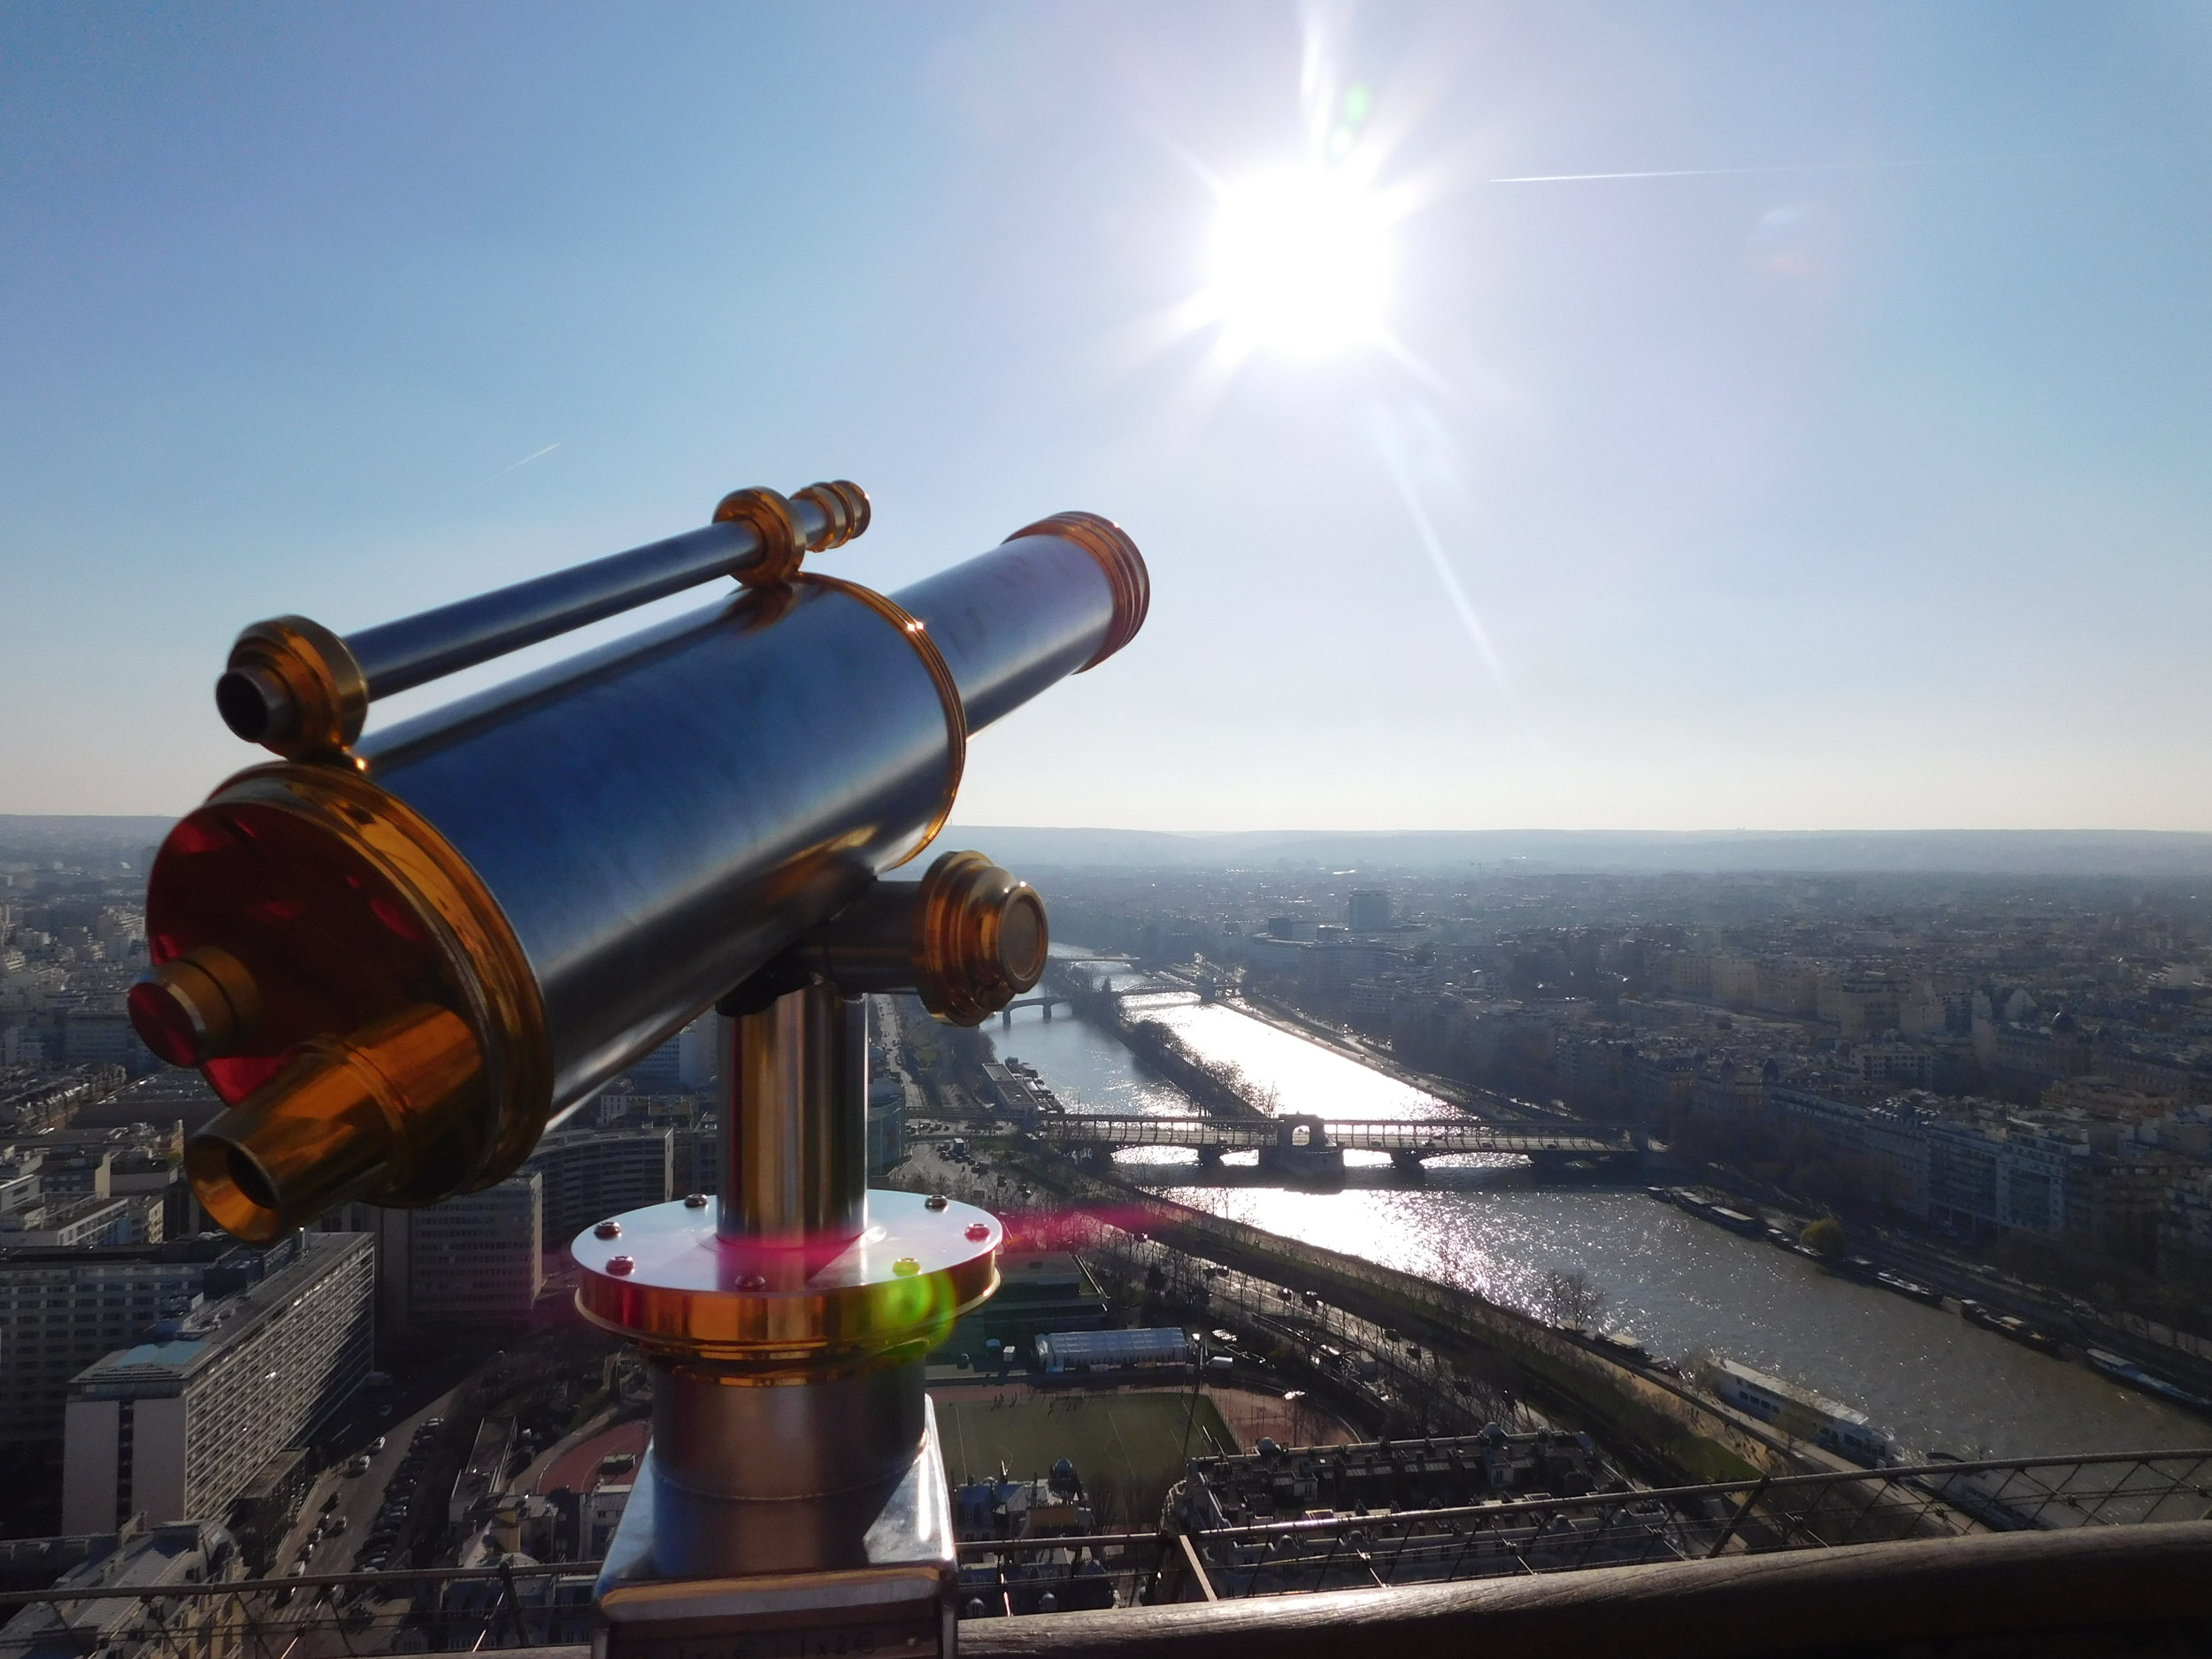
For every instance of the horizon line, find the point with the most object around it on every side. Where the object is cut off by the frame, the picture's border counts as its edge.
(1518, 829)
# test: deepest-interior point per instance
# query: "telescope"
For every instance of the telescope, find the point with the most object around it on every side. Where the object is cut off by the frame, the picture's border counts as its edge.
(400, 959)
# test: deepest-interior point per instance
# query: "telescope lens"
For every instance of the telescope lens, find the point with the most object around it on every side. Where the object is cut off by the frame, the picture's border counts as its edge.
(163, 1024)
(192, 1010)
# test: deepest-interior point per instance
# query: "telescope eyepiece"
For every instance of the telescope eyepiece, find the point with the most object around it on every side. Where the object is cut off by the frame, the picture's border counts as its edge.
(293, 685)
(196, 1007)
(254, 704)
(333, 1126)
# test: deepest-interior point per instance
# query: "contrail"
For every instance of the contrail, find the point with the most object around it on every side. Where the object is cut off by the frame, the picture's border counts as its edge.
(1730, 172)
(525, 461)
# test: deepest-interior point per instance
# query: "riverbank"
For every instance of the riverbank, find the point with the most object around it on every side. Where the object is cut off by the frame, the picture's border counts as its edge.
(1688, 1289)
(2159, 1348)
(1580, 1381)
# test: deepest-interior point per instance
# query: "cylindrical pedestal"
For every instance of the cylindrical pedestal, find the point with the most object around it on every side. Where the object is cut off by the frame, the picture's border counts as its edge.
(722, 1432)
(789, 1421)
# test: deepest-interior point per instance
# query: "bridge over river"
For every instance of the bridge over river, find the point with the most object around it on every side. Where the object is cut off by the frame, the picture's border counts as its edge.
(1305, 1145)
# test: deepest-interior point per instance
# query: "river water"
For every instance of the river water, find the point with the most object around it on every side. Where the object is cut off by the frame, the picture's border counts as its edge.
(1684, 1286)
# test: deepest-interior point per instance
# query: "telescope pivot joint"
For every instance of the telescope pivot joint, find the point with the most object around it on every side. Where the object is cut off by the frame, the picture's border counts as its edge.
(967, 938)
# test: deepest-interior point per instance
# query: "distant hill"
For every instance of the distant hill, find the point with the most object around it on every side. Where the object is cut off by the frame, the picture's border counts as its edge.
(2160, 855)
(2147, 854)
(23, 836)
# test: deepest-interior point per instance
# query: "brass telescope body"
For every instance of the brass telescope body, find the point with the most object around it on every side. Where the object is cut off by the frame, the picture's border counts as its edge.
(399, 959)
(573, 865)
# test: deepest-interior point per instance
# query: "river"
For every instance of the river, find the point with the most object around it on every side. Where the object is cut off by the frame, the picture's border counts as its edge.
(1684, 1286)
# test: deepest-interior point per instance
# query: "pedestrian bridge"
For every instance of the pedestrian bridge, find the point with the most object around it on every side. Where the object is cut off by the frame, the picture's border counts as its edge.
(1302, 1138)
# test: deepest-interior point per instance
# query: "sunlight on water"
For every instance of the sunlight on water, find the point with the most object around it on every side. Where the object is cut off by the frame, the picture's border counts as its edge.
(1682, 1286)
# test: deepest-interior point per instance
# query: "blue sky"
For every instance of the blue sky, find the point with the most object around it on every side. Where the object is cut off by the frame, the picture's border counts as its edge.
(1867, 490)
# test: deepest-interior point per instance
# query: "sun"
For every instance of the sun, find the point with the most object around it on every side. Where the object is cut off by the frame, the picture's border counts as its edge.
(1300, 261)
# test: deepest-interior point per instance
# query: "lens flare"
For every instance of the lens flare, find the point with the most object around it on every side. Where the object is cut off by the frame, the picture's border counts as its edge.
(1300, 261)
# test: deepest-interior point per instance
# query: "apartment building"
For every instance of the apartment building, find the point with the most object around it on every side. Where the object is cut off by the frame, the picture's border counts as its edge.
(173, 1428)
(478, 1258)
(590, 1176)
(61, 1308)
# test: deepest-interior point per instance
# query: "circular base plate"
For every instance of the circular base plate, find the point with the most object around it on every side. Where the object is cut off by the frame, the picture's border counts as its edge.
(668, 1280)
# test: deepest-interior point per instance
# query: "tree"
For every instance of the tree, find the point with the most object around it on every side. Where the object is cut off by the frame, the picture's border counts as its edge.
(1825, 1237)
(1573, 1297)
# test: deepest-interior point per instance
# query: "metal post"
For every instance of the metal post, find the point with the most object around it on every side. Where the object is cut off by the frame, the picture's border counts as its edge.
(794, 1473)
(794, 1103)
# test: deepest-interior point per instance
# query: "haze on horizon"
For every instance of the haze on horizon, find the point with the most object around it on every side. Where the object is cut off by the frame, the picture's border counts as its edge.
(1847, 470)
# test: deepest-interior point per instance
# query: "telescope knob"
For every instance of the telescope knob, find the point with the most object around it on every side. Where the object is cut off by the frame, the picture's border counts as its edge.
(818, 518)
(981, 938)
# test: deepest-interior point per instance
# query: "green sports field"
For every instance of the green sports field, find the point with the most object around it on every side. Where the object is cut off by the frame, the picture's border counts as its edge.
(1127, 1447)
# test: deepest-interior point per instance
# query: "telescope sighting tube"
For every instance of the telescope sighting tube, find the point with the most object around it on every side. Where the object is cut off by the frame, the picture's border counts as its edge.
(399, 960)
(300, 689)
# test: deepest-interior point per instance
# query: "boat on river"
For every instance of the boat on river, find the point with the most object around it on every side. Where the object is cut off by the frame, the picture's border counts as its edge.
(1706, 1208)
(2134, 1376)
(1977, 1493)
(1911, 1287)
(2010, 1325)
(1797, 1411)
(1624, 1345)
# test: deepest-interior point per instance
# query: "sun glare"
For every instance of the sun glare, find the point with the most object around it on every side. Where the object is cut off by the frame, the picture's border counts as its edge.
(1300, 261)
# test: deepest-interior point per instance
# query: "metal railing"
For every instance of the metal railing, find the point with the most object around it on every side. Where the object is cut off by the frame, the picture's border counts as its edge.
(528, 1605)
(1557, 1534)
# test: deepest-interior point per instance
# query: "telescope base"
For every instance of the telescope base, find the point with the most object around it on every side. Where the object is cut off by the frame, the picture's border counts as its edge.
(870, 1571)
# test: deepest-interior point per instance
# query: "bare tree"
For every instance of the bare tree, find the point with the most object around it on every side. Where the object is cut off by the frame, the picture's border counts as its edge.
(1572, 1297)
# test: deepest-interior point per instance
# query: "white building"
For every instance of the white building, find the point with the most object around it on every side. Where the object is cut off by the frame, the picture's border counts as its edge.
(174, 1428)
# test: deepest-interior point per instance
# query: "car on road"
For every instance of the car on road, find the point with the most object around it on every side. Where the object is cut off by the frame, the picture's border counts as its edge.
(355, 1466)
(376, 1446)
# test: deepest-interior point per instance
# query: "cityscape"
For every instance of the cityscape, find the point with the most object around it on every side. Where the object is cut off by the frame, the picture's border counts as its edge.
(1964, 1122)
